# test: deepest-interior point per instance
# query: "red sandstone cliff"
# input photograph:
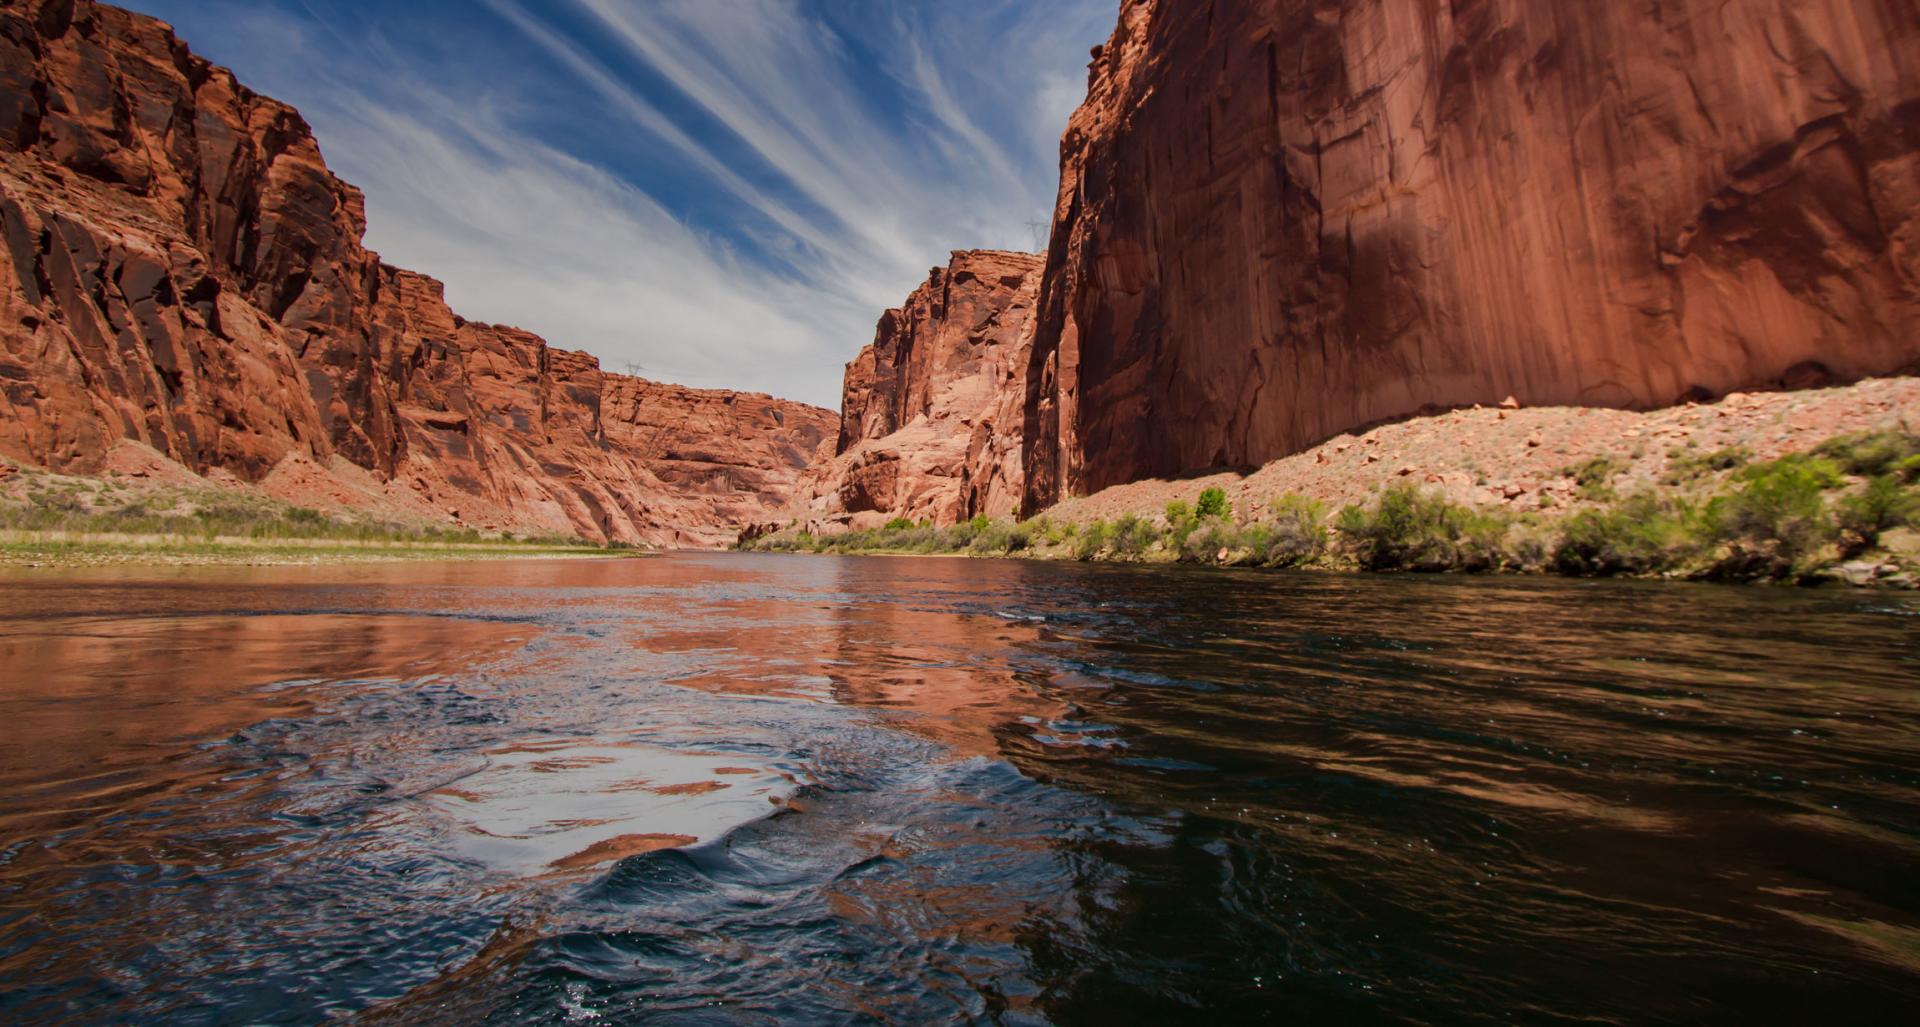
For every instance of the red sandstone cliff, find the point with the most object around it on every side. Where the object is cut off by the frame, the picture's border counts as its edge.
(932, 411)
(181, 270)
(1280, 219)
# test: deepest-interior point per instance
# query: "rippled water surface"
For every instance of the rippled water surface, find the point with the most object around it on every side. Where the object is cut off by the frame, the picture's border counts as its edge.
(766, 789)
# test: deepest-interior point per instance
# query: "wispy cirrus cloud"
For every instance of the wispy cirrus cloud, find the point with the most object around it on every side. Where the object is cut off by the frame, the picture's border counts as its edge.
(725, 194)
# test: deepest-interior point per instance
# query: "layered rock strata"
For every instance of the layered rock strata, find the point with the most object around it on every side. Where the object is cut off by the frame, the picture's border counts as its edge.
(931, 420)
(1283, 219)
(181, 270)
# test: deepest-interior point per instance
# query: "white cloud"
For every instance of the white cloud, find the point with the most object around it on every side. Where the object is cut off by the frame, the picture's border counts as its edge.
(838, 198)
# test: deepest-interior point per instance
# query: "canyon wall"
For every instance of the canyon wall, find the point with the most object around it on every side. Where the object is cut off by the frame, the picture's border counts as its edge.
(181, 271)
(1281, 219)
(932, 412)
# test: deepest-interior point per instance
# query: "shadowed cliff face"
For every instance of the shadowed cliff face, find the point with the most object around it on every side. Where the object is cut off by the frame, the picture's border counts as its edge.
(181, 270)
(1280, 219)
(932, 412)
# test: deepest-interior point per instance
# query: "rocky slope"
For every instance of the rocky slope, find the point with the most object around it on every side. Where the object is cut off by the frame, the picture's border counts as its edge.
(1527, 460)
(182, 272)
(1279, 219)
(930, 424)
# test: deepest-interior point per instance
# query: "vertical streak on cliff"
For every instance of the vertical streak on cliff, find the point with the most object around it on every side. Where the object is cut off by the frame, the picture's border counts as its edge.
(1280, 219)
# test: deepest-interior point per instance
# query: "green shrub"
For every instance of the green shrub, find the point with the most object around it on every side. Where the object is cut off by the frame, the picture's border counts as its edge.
(1297, 535)
(1205, 544)
(1882, 506)
(1407, 529)
(1092, 541)
(1777, 519)
(1213, 503)
(961, 535)
(1641, 535)
(1180, 524)
(1132, 536)
(1595, 477)
(786, 542)
(1783, 500)
(1872, 454)
(899, 524)
(993, 540)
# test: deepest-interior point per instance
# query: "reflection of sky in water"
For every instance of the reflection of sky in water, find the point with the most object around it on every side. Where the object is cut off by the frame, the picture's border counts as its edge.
(569, 804)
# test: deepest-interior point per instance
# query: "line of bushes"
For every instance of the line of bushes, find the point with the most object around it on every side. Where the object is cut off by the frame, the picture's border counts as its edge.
(1716, 516)
(982, 536)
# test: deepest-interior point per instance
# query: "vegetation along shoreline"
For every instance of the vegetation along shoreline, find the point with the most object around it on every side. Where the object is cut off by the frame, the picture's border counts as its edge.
(1843, 512)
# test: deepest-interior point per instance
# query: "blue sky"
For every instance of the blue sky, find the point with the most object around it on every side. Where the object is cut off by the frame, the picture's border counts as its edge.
(725, 193)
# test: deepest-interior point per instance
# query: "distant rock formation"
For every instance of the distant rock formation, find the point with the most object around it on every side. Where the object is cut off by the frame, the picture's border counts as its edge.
(1282, 219)
(930, 424)
(180, 269)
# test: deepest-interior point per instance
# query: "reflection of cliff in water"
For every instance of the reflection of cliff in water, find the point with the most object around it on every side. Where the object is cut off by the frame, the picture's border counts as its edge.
(97, 703)
(1399, 784)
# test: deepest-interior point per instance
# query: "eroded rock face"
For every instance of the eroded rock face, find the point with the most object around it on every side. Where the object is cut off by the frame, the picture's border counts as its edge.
(1281, 219)
(932, 411)
(180, 269)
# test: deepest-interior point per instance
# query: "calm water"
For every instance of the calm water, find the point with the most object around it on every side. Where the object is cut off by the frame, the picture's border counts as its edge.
(765, 789)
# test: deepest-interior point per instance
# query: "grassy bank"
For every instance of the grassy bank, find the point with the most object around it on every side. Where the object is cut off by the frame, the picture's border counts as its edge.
(55, 550)
(59, 520)
(1844, 512)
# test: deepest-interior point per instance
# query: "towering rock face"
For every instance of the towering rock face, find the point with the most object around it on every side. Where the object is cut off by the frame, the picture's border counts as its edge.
(932, 411)
(1280, 219)
(181, 270)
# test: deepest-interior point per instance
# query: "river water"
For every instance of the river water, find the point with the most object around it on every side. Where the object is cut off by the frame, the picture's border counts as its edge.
(737, 788)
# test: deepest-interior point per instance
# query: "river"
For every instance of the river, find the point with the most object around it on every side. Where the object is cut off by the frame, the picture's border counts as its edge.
(731, 788)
